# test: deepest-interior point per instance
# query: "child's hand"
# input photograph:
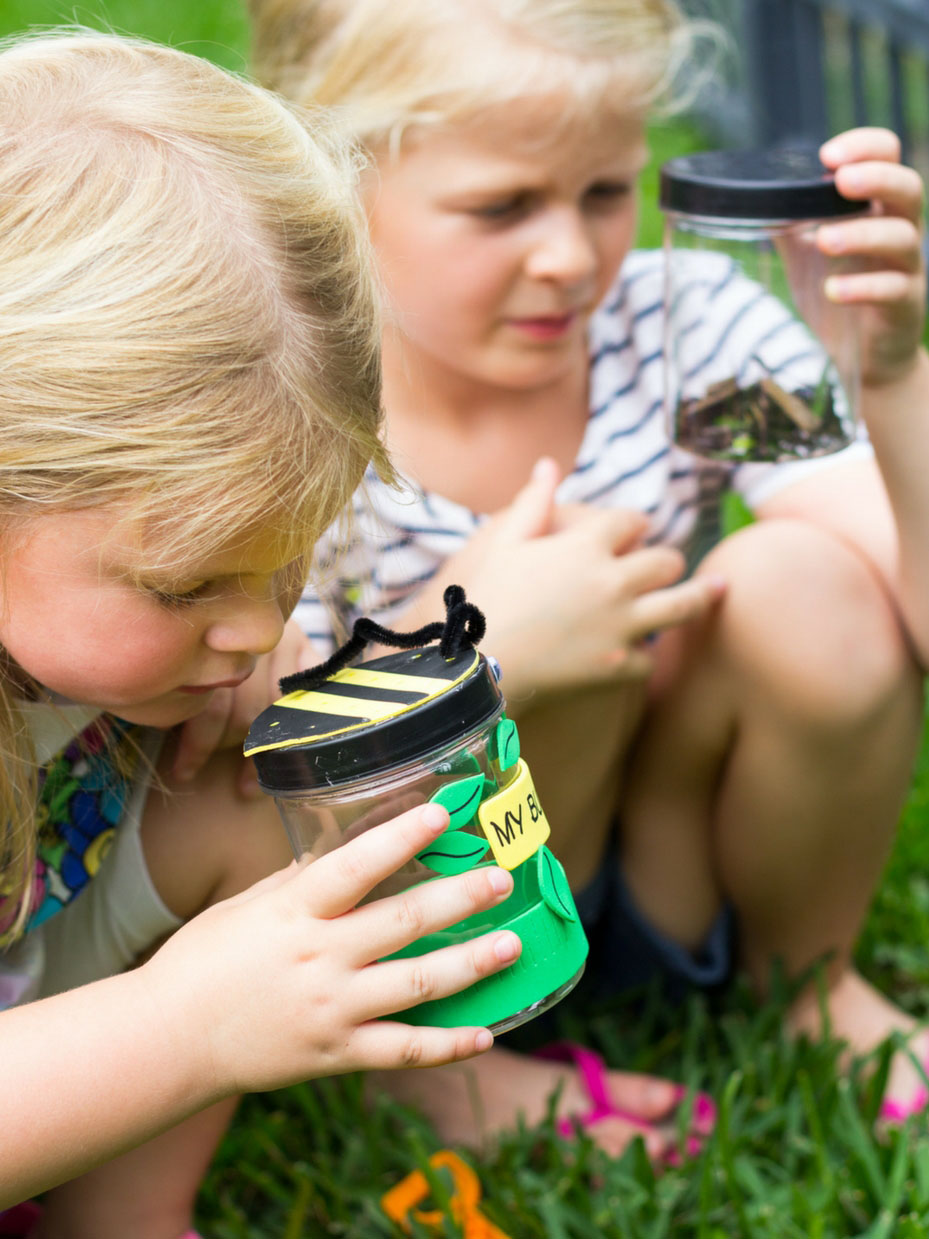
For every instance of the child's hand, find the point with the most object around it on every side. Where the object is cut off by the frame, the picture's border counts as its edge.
(892, 293)
(570, 595)
(227, 716)
(282, 983)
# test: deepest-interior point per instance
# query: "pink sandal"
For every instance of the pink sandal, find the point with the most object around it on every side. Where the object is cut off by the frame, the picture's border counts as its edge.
(897, 1112)
(593, 1071)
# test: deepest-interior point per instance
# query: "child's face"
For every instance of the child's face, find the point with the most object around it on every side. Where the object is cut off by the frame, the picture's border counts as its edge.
(496, 247)
(73, 618)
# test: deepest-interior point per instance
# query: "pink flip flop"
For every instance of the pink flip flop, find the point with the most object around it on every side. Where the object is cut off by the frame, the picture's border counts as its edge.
(593, 1071)
(898, 1112)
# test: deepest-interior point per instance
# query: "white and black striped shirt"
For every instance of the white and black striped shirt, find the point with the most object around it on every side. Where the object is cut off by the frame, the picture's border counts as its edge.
(626, 459)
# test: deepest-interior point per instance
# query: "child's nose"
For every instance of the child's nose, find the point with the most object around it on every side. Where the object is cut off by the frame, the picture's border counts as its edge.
(564, 248)
(247, 626)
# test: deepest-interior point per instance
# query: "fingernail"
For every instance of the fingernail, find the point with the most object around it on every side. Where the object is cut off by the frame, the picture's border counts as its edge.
(718, 584)
(483, 1040)
(507, 946)
(834, 288)
(183, 774)
(434, 817)
(251, 789)
(832, 239)
(500, 881)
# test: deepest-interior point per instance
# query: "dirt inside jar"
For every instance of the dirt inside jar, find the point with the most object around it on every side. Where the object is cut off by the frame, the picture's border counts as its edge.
(761, 422)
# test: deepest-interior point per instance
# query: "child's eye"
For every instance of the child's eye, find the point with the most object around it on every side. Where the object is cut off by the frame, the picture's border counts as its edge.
(182, 598)
(503, 209)
(607, 193)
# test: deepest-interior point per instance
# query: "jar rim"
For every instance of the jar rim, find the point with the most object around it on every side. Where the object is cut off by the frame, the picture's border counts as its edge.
(779, 184)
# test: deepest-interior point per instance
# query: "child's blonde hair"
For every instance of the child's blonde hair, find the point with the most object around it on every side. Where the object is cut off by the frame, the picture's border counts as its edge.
(392, 65)
(188, 322)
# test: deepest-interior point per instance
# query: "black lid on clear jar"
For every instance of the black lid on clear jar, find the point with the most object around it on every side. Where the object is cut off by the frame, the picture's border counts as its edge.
(369, 719)
(753, 185)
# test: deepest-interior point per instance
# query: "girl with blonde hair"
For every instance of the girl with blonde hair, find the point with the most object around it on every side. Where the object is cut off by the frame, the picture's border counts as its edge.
(722, 758)
(189, 392)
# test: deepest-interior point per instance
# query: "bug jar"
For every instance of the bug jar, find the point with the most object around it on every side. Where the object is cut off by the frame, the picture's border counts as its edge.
(373, 741)
(759, 364)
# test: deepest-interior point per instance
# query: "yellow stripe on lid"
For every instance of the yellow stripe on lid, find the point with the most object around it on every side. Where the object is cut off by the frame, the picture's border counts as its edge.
(347, 707)
(391, 679)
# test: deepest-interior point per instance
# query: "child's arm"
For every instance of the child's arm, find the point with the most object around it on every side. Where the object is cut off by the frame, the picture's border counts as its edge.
(883, 510)
(569, 594)
(276, 985)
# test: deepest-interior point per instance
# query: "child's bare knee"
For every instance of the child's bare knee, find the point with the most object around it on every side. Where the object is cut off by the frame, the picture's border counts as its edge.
(807, 617)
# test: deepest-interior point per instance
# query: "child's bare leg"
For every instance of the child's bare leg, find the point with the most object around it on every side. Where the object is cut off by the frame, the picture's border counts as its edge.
(150, 1190)
(202, 844)
(775, 763)
(573, 746)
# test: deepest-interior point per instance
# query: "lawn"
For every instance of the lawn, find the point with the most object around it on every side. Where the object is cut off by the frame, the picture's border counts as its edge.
(794, 1152)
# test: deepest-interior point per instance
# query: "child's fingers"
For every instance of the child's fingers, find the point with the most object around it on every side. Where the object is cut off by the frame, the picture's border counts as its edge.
(247, 781)
(202, 735)
(402, 983)
(887, 238)
(382, 927)
(629, 663)
(640, 572)
(866, 142)
(899, 189)
(339, 880)
(668, 608)
(616, 530)
(530, 514)
(383, 1045)
(873, 288)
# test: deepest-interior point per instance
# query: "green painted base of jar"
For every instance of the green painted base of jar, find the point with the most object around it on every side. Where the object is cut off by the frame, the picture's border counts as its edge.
(550, 965)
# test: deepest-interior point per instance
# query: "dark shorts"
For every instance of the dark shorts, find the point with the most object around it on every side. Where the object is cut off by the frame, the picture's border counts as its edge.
(627, 952)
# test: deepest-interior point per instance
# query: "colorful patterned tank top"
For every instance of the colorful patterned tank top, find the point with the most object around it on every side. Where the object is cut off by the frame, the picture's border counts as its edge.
(83, 792)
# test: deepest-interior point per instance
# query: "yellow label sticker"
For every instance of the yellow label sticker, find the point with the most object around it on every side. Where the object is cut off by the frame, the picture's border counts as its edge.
(513, 820)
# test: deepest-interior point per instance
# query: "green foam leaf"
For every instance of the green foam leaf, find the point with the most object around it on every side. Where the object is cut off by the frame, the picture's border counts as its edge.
(553, 885)
(506, 741)
(460, 799)
(453, 852)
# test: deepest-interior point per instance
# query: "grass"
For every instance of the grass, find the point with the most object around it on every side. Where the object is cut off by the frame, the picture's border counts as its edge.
(793, 1155)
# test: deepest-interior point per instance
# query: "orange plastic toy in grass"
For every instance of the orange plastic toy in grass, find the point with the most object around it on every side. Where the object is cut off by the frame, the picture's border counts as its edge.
(401, 1201)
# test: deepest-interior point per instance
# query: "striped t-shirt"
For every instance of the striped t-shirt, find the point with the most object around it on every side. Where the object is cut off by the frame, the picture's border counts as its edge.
(626, 459)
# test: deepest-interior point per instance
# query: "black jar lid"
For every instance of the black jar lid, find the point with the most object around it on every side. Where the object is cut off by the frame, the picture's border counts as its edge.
(753, 185)
(369, 719)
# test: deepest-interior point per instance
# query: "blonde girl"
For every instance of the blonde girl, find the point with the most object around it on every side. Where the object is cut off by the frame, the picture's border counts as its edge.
(726, 794)
(189, 392)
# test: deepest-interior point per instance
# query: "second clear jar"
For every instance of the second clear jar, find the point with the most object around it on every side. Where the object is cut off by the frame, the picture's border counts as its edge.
(760, 363)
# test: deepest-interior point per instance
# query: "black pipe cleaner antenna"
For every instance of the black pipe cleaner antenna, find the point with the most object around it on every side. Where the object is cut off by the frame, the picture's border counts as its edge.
(463, 627)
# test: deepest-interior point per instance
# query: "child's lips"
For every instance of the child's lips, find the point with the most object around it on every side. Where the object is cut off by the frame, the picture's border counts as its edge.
(209, 688)
(545, 326)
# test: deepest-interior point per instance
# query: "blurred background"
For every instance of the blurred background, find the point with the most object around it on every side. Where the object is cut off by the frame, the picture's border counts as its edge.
(788, 70)
(800, 70)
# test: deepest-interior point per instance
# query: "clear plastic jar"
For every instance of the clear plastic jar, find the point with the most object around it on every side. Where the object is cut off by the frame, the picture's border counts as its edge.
(374, 741)
(759, 364)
